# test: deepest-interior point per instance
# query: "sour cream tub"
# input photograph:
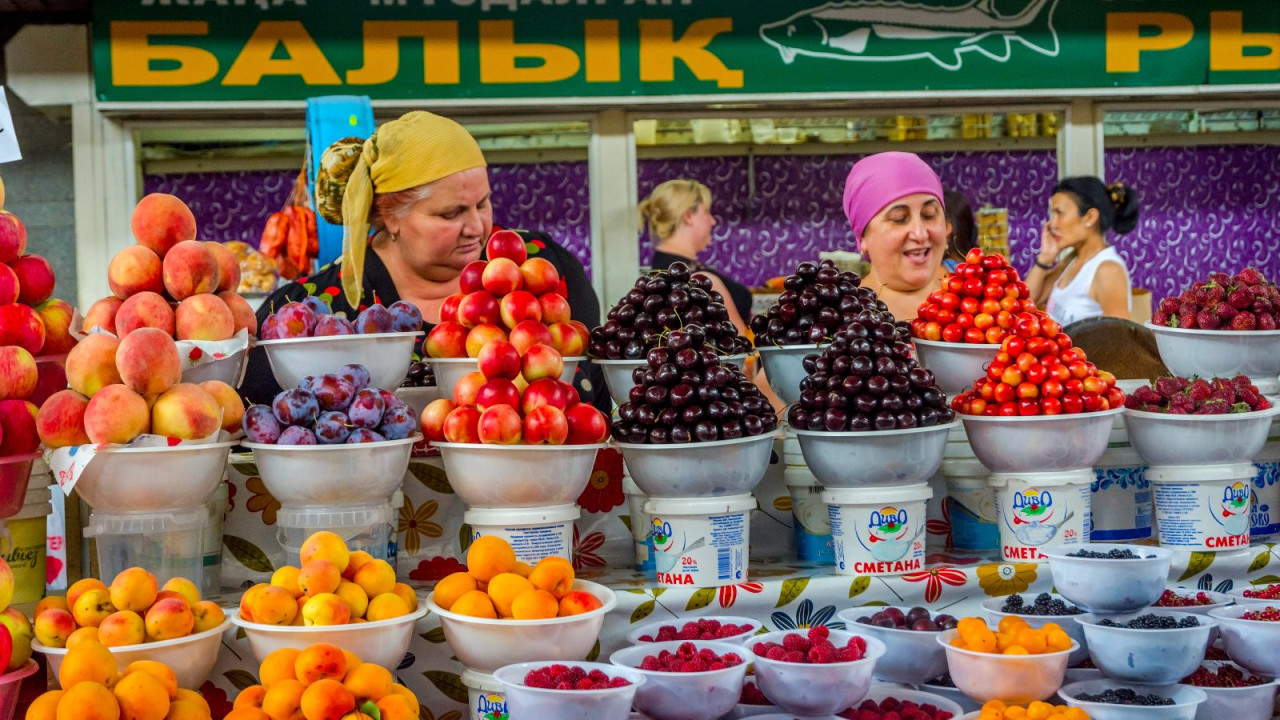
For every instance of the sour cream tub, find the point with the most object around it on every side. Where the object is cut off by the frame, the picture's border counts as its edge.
(809, 516)
(700, 542)
(484, 694)
(878, 531)
(1203, 508)
(640, 527)
(1038, 510)
(534, 533)
(1265, 515)
(970, 505)
(1121, 492)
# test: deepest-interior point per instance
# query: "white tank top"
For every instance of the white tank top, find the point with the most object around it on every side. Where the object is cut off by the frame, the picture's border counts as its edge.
(1071, 303)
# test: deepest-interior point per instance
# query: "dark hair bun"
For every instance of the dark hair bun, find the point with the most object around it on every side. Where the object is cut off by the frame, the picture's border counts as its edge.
(1125, 200)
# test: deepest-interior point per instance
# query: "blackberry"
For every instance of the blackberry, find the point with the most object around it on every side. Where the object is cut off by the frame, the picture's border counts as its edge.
(1113, 554)
(1043, 605)
(1124, 696)
(1153, 622)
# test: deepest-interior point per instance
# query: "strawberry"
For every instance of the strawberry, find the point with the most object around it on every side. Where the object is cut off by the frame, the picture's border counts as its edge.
(1251, 276)
(1146, 395)
(1260, 306)
(1243, 321)
(1168, 386)
(1266, 321)
(1181, 405)
(1225, 312)
(1240, 298)
(1250, 397)
(1186, 321)
(1242, 381)
(1199, 390)
(1207, 320)
(1163, 318)
(1214, 406)
(1220, 278)
(1169, 306)
(1210, 294)
(1262, 404)
(1260, 292)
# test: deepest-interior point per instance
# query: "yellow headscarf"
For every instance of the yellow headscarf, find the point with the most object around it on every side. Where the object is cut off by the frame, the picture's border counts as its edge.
(415, 149)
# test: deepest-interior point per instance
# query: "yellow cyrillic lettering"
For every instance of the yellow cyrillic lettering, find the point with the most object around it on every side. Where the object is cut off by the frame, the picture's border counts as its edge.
(659, 50)
(382, 51)
(1125, 42)
(499, 52)
(305, 59)
(602, 56)
(1228, 40)
(132, 54)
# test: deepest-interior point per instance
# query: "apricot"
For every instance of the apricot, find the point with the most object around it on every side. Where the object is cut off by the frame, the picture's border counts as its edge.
(188, 710)
(451, 587)
(50, 601)
(318, 576)
(327, 699)
(406, 593)
(376, 577)
(577, 602)
(157, 670)
(249, 713)
(354, 596)
(535, 605)
(88, 701)
(122, 627)
(385, 607)
(327, 546)
(320, 661)
(523, 569)
(250, 697)
(45, 707)
(84, 634)
(407, 694)
(246, 601)
(553, 574)
(168, 619)
(367, 681)
(141, 697)
(397, 707)
(191, 696)
(274, 606)
(489, 556)
(282, 699)
(89, 661)
(504, 589)
(476, 604)
(208, 615)
(279, 666)
(91, 366)
(353, 661)
(287, 578)
(355, 561)
(134, 589)
(81, 587)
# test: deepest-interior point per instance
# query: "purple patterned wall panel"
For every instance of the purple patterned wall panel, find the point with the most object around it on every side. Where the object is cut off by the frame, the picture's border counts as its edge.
(1208, 209)
(230, 205)
(551, 197)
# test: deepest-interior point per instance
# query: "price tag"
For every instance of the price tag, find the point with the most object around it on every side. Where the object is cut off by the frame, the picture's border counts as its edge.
(8, 135)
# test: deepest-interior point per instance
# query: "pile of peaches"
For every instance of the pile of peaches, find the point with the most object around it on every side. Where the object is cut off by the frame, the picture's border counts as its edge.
(94, 687)
(496, 585)
(333, 586)
(320, 683)
(133, 610)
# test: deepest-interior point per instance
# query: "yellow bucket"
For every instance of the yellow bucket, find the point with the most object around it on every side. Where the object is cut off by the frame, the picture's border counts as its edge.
(22, 543)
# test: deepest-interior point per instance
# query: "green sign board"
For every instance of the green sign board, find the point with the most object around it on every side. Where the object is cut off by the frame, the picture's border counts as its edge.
(235, 50)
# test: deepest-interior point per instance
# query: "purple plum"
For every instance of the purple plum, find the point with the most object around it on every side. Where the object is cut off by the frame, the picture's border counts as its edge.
(405, 317)
(398, 423)
(390, 400)
(260, 425)
(366, 409)
(374, 319)
(296, 407)
(356, 373)
(363, 435)
(270, 329)
(329, 325)
(317, 305)
(333, 392)
(295, 320)
(294, 435)
(332, 428)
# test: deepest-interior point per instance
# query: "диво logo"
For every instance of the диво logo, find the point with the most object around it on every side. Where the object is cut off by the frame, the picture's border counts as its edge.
(1033, 513)
(492, 707)
(889, 535)
(1235, 508)
(661, 535)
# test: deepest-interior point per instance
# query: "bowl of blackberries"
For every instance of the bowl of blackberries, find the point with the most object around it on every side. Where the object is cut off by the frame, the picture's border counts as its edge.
(1152, 647)
(303, 339)
(418, 389)
(868, 415)
(1117, 700)
(694, 426)
(1110, 578)
(913, 654)
(1043, 608)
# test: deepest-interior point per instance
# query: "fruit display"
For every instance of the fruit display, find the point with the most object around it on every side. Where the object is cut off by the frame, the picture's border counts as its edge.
(94, 687)
(323, 682)
(1197, 396)
(1112, 554)
(1012, 637)
(1125, 696)
(917, 618)
(312, 317)
(1044, 605)
(689, 659)
(703, 629)
(997, 710)
(495, 585)
(866, 380)
(891, 708)
(331, 409)
(811, 648)
(571, 677)
(420, 375)
(1038, 372)
(1244, 302)
(685, 395)
(30, 318)
(132, 610)
(1270, 592)
(816, 301)
(512, 297)
(516, 397)
(1171, 599)
(1225, 676)
(661, 302)
(977, 303)
(1152, 622)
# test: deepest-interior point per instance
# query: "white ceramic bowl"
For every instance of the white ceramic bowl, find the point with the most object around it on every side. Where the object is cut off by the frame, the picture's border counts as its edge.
(1238, 597)
(148, 479)
(387, 355)
(784, 367)
(191, 658)
(382, 643)
(530, 702)
(1218, 353)
(1163, 439)
(485, 645)
(911, 656)
(685, 696)
(1251, 702)
(651, 629)
(966, 703)
(1219, 600)
(517, 476)
(881, 691)
(1186, 699)
(229, 369)
(328, 475)
(699, 469)
(955, 366)
(1146, 657)
(1249, 643)
(418, 398)
(1040, 443)
(1110, 586)
(448, 371)
(808, 689)
(991, 610)
(879, 459)
(1016, 679)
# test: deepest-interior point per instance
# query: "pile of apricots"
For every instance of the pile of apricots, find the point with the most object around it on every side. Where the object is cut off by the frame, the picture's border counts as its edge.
(1013, 636)
(496, 585)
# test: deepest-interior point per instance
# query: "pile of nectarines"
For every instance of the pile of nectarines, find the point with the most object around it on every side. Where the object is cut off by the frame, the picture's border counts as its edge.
(320, 683)
(133, 610)
(334, 586)
(496, 585)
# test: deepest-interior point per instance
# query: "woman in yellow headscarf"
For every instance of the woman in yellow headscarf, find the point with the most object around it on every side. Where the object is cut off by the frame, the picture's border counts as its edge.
(415, 210)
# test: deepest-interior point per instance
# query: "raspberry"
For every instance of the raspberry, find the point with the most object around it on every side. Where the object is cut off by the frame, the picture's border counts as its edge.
(647, 638)
(731, 658)
(794, 656)
(796, 642)
(694, 666)
(650, 663)
(822, 654)
(819, 631)
(619, 682)
(562, 685)
(585, 684)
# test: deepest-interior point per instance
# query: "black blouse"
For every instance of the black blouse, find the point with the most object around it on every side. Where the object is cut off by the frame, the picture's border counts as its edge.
(738, 293)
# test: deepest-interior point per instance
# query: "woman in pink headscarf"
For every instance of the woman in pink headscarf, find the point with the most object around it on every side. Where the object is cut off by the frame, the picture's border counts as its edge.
(893, 201)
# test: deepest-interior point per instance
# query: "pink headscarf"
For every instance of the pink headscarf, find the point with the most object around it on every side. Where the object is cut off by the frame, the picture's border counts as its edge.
(877, 180)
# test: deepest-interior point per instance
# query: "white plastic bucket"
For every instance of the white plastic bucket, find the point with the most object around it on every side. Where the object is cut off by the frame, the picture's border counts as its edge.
(216, 505)
(23, 545)
(364, 527)
(1265, 519)
(1039, 510)
(169, 544)
(640, 527)
(700, 542)
(1203, 508)
(1122, 503)
(877, 531)
(970, 504)
(534, 533)
(486, 700)
(809, 517)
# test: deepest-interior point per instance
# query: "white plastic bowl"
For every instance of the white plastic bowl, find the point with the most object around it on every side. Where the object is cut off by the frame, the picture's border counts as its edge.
(1249, 643)
(685, 696)
(1238, 597)
(652, 628)
(1219, 600)
(966, 703)
(808, 689)
(387, 355)
(191, 658)
(955, 366)
(699, 469)
(1218, 353)
(784, 367)
(617, 377)
(911, 656)
(1186, 699)
(149, 479)
(382, 643)
(328, 475)
(485, 645)
(517, 476)
(529, 702)
(1016, 679)
(991, 610)
(229, 369)
(1146, 657)
(1040, 443)
(448, 371)
(881, 691)
(1109, 586)
(882, 458)
(418, 398)
(1163, 439)
(1252, 702)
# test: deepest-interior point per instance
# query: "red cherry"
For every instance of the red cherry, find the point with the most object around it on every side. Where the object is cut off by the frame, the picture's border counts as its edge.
(1072, 404)
(1051, 406)
(1028, 406)
(952, 333)
(974, 336)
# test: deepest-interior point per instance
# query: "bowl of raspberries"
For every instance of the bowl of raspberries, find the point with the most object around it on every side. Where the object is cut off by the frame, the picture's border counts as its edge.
(580, 691)
(728, 628)
(1181, 421)
(685, 680)
(815, 672)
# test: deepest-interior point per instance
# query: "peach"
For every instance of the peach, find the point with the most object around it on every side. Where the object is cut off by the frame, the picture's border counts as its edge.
(446, 340)
(161, 221)
(505, 588)
(397, 707)
(475, 604)
(408, 594)
(318, 662)
(355, 561)
(328, 546)
(168, 619)
(56, 315)
(88, 701)
(92, 608)
(185, 411)
(534, 605)
(141, 697)
(462, 425)
(541, 361)
(286, 577)
(518, 307)
(467, 389)
(88, 663)
(116, 415)
(433, 417)
(274, 606)
(488, 557)
(208, 615)
(278, 666)
(529, 333)
(13, 237)
(190, 269)
(91, 364)
(134, 589)
(54, 626)
(500, 425)
(553, 574)
(354, 596)
(49, 602)
(21, 326)
(82, 586)
(318, 576)
(367, 681)
(122, 627)
(102, 314)
(133, 270)
(566, 340)
(386, 606)
(228, 266)
(204, 317)
(480, 336)
(183, 587)
(327, 699)
(325, 609)
(18, 372)
(230, 402)
(35, 279)
(451, 587)
(283, 699)
(539, 276)
(146, 309)
(577, 602)
(241, 312)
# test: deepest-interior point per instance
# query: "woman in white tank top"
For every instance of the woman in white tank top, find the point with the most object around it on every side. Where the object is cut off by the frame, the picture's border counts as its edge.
(1092, 280)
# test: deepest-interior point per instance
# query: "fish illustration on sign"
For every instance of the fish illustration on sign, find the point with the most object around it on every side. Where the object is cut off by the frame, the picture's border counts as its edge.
(893, 31)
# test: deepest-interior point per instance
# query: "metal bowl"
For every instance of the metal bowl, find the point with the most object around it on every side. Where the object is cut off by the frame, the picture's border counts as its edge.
(701, 469)
(1040, 443)
(1164, 439)
(955, 366)
(878, 458)
(783, 366)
